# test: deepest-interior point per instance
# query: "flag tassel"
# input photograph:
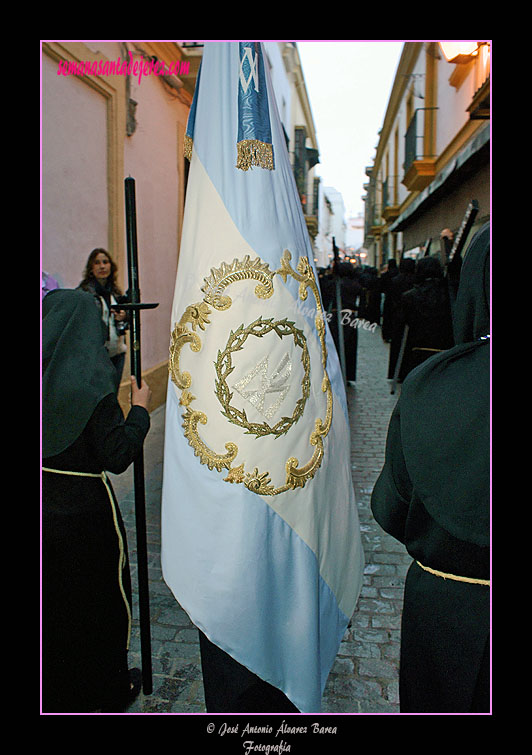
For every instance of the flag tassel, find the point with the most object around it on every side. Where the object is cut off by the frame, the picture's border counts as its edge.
(252, 152)
(187, 147)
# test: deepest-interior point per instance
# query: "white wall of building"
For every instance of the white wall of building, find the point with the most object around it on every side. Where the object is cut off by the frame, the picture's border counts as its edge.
(338, 223)
(354, 235)
(332, 223)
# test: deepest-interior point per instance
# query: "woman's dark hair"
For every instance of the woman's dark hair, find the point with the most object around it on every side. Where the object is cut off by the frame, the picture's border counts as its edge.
(88, 277)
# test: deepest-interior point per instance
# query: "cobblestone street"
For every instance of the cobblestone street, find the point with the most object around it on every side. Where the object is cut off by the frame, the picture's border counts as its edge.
(364, 677)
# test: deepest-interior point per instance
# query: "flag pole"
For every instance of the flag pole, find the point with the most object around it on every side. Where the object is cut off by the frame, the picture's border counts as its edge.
(134, 306)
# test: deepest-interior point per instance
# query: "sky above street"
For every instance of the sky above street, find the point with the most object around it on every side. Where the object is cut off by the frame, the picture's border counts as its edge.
(348, 84)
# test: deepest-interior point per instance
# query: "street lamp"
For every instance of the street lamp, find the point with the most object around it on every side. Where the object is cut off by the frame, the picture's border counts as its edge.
(460, 52)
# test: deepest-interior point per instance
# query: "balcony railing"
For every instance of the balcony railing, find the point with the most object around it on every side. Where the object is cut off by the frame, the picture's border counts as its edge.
(413, 150)
(419, 165)
(389, 191)
(385, 193)
(390, 201)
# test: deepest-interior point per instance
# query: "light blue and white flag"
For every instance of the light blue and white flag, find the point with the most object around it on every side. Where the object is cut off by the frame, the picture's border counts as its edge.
(260, 533)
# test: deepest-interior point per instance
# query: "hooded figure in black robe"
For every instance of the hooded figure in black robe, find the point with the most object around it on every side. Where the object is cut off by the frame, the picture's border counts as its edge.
(387, 312)
(350, 290)
(402, 282)
(433, 495)
(86, 590)
(370, 298)
(426, 309)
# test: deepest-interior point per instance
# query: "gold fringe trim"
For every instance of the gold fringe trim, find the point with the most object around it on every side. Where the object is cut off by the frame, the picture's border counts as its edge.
(252, 152)
(454, 577)
(187, 147)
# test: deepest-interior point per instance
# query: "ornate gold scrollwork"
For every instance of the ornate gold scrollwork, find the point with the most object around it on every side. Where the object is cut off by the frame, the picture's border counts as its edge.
(206, 456)
(238, 270)
(197, 316)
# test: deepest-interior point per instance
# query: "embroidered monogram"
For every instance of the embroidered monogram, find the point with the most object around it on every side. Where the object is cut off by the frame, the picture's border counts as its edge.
(253, 74)
(263, 386)
(279, 376)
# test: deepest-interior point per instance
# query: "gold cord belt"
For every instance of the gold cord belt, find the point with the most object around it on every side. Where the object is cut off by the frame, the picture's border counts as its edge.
(443, 574)
(122, 554)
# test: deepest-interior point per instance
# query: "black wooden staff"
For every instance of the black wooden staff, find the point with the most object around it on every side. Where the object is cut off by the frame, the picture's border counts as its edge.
(134, 306)
(463, 232)
(454, 255)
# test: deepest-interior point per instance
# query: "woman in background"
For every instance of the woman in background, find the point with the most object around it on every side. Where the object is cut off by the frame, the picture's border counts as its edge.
(99, 278)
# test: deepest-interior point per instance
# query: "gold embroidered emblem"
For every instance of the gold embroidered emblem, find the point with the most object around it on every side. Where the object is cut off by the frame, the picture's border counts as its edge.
(198, 317)
(224, 367)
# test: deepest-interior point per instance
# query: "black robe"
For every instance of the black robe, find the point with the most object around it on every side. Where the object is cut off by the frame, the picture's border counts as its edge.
(387, 307)
(350, 290)
(433, 495)
(370, 298)
(401, 283)
(86, 591)
(426, 310)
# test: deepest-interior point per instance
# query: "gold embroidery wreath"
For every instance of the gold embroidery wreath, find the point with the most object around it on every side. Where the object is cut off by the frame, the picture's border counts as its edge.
(224, 366)
(196, 316)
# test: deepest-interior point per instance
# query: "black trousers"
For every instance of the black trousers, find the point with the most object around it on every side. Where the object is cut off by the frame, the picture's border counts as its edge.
(232, 688)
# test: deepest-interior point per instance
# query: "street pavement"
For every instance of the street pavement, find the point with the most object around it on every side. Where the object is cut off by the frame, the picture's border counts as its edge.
(364, 677)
